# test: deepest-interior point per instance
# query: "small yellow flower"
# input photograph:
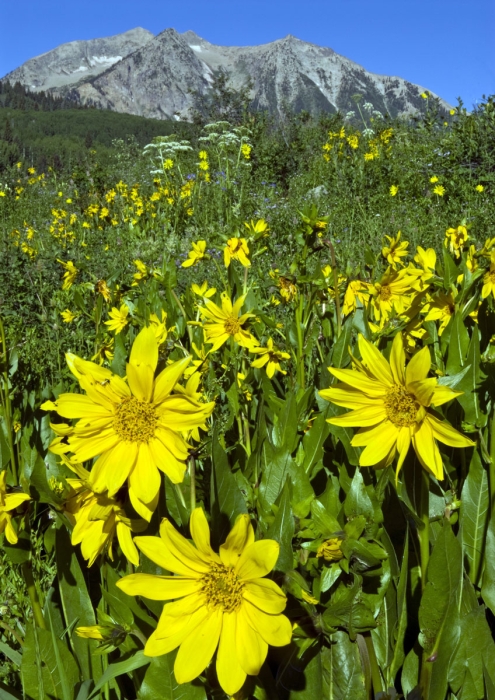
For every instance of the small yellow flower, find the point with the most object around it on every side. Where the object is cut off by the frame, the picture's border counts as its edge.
(102, 288)
(455, 238)
(330, 549)
(236, 249)
(196, 254)
(489, 279)
(141, 274)
(224, 323)
(271, 357)
(203, 155)
(246, 150)
(160, 327)
(69, 274)
(433, 179)
(118, 319)
(203, 291)
(2, 194)
(105, 352)
(257, 230)
(395, 250)
(68, 316)
(393, 190)
(168, 164)
(439, 190)
(9, 502)
(424, 95)
(479, 188)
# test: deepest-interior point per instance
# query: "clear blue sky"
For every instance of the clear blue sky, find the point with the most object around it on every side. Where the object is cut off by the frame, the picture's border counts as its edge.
(447, 46)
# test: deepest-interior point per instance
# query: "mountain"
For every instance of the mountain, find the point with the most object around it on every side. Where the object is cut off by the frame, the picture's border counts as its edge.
(156, 76)
(69, 63)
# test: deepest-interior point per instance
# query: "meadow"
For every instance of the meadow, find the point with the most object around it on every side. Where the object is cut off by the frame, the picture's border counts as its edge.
(247, 430)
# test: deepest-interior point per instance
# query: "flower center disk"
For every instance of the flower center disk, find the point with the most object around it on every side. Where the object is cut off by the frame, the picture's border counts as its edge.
(401, 406)
(222, 588)
(135, 420)
(232, 325)
(385, 293)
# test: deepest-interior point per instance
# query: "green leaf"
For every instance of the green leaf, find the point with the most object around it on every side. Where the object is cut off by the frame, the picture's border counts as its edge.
(398, 647)
(410, 672)
(284, 434)
(475, 653)
(10, 653)
(119, 356)
(458, 346)
(138, 660)
(439, 608)
(227, 501)
(313, 442)
(44, 659)
(450, 271)
(4, 445)
(76, 604)
(343, 677)
(324, 521)
(357, 501)
(488, 582)
(470, 400)
(340, 353)
(475, 501)
(159, 682)
(282, 531)
(301, 674)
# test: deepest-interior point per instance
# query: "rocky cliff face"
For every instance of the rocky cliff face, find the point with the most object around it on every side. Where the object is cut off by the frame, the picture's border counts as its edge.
(77, 60)
(156, 76)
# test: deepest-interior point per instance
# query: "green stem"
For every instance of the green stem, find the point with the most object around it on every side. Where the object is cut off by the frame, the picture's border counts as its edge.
(424, 534)
(300, 344)
(192, 474)
(336, 288)
(5, 397)
(491, 471)
(375, 671)
(424, 548)
(27, 572)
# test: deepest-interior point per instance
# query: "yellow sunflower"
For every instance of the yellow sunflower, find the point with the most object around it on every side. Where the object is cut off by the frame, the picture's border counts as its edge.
(391, 293)
(489, 279)
(136, 427)
(270, 356)
(8, 503)
(236, 249)
(225, 323)
(391, 405)
(224, 600)
(97, 518)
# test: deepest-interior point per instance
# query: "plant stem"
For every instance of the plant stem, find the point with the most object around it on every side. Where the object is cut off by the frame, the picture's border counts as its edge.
(27, 572)
(424, 548)
(375, 671)
(491, 471)
(192, 474)
(424, 534)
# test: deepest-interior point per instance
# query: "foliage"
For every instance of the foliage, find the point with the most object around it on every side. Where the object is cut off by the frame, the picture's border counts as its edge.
(195, 286)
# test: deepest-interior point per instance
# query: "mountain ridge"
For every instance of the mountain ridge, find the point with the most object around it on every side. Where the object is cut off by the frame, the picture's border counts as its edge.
(159, 76)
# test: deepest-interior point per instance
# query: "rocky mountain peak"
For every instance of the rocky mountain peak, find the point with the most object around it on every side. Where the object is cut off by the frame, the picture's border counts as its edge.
(157, 76)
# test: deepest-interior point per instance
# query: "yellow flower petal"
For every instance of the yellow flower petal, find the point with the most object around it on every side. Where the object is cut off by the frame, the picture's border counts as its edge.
(158, 587)
(145, 349)
(230, 674)
(398, 360)
(126, 544)
(156, 550)
(196, 651)
(257, 560)
(140, 381)
(200, 532)
(425, 447)
(145, 478)
(367, 416)
(380, 448)
(166, 461)
(374, 361)
(182, 549)
(251, 649)
(241, 535)
(418, 366)
(357, 380)
(276, 630)
(447, 434)
(168, 378)
(266, 595)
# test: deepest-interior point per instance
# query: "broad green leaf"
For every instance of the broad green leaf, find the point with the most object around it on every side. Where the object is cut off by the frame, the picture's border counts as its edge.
(10, 653)
(4, 445)
(282, 531)
(326, 524)
(476, 651)
(470, 400)
(475, 501)
(488, 582)
(42, 664)
(138, 660)
(301, 674)
(439, 608)
(284, 434)
(340, 352)
(357, 501)
(342, 673)
(489, 685)
(458, 346)
(313, 442)
(159, 682)
(450, 271)
(76, 604)
(227, 501)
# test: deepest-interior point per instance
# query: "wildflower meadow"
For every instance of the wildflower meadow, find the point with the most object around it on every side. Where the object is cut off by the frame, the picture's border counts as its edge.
(247, 428)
